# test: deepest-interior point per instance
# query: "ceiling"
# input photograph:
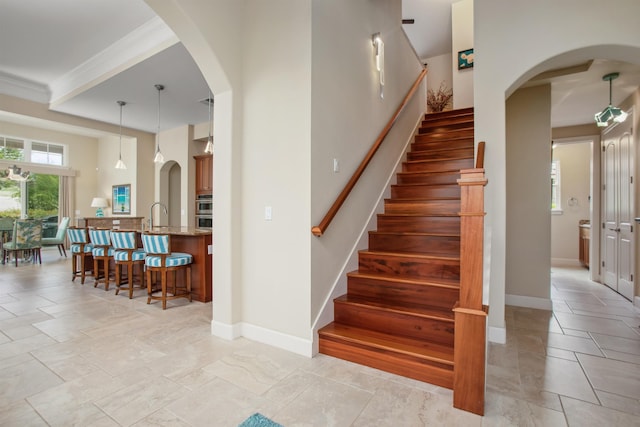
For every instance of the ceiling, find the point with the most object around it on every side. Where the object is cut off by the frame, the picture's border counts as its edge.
(80, 57)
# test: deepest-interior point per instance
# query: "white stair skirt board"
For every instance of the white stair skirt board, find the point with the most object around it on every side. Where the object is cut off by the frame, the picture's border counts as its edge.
(277, 339)
(529, 302)
(497, 335)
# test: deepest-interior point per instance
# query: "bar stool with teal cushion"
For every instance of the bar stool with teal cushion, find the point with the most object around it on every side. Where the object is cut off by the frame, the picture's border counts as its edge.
(102, 252)
(126, 254)
(160, 259)
(80, 248)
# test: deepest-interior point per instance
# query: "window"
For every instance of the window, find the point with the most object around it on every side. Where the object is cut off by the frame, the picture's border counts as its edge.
(11, 148)
(556, 204)
(44, 152)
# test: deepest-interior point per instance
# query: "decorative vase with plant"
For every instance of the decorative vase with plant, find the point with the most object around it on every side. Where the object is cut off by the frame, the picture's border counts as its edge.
(437, 100)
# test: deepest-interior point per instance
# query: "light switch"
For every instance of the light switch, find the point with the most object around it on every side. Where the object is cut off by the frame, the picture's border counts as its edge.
(267, 213)
(336, 165)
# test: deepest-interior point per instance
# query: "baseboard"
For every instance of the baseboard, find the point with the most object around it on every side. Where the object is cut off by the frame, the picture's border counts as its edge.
(565, 262)
(497, 335)
(280, 340)
(529, 302)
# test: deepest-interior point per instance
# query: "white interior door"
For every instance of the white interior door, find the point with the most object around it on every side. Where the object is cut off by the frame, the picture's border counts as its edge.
(617, 196)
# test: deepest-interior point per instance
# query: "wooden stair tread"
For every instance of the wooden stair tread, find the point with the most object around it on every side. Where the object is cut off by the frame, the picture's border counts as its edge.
(417, 310)
(443, 257)
(440, 283)
(413, 233)
(440, 160)
(417, 348)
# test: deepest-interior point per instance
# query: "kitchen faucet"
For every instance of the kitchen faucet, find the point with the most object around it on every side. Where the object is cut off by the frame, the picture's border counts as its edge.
(164, 208)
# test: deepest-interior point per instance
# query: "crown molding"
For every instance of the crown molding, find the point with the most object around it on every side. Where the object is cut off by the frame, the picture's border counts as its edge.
(145, 41)
(22, 88)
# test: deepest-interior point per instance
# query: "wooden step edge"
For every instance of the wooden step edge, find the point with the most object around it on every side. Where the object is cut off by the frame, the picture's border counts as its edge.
(420, 214)
(438, 172)
(417, 184)
(411, 255)
(431, 352)
(412, 233)
(415, 311)
(436, 283)
(422, 199)
(448, 159)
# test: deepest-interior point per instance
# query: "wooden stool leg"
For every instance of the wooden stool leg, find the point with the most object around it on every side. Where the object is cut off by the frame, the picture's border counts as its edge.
(149, 287)
(164, 289)
(82, 273)
(118, 268)
(189, 282)
(130, 278)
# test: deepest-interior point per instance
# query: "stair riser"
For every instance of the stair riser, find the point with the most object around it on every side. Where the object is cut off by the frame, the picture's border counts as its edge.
(429, 178)
(400, 324)
(413, 243)
(395, 363)
(441, 154)
(457, 118)
(425, 191)
(436, 207)
(449, 113)
(427, 144)
(411, 266)
(431, 135)
(425, 224)
(438, 166)
(446, 125)
(402, 293)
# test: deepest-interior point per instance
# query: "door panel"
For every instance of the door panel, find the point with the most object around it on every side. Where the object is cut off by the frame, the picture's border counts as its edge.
(610, 236)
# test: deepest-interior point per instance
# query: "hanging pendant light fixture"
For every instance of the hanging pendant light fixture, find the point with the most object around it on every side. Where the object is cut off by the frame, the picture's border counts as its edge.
(120, 164)
(209, 148)
(158, 158)
(610, 112)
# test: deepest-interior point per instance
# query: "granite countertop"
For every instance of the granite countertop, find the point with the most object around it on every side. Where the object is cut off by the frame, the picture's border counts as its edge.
(181, 231)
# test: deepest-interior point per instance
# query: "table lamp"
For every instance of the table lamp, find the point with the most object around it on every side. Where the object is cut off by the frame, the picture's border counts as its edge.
(99, 203)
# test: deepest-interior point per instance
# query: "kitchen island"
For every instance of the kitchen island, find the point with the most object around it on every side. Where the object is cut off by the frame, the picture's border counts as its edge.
(196, 242)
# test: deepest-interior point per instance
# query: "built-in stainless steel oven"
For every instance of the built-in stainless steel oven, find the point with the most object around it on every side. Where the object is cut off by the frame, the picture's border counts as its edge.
(204, 221)
(204, 204)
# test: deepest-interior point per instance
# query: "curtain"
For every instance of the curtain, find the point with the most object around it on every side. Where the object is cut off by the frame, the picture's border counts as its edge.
(66, 198)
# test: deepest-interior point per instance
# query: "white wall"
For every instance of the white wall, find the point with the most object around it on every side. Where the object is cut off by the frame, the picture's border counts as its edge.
(347, 116)
(440, 70)
(528, 155)
(461, 39)
(542, 30)
(575, 177)
(108, 175)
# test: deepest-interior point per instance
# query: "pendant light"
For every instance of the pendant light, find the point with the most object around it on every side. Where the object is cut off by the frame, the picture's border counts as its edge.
(209, 148)
(610, 112)
(158, 158)
(120, 164)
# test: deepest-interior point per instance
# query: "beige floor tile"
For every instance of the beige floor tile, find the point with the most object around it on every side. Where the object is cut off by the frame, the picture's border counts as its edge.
(624, 357)
(20, 413)
(571, 343)
(396, 405)
(624, 345)
(607, 309)
(585, 414)
(562, 354)
(620, 403)
(325, 403)
(502, 410)
(25, 379)
(612, 376)
(595, 324)
(162, 418)
(554, 375)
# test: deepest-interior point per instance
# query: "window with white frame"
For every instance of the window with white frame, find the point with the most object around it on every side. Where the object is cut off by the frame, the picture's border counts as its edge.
(26, 150)
(556, 204)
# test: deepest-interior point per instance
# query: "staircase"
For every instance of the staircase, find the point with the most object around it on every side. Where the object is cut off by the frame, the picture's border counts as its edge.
(397, 315)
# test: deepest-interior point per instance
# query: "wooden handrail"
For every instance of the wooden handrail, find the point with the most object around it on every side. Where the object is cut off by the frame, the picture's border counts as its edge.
(480, 156)
(319, 229)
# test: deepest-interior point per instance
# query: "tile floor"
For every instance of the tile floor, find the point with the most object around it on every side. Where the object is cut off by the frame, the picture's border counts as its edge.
(77, 355)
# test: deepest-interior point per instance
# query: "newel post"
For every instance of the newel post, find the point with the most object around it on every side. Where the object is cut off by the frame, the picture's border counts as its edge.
(470, 315)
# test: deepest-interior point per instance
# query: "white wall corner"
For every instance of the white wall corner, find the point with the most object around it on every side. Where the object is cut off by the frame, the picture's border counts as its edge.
(225, 330)
(529, 302)
(636, 302)
(497, 335)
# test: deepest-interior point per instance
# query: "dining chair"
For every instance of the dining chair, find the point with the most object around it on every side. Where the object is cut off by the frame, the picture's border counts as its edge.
(59, 239)
(160, 259)
(102, 252)
(27, 238)
(6, 230)
(126, 254)
(80, 249)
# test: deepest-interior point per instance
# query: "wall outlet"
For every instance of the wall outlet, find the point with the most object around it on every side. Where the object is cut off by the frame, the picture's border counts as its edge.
(267, 213)
(336, 165)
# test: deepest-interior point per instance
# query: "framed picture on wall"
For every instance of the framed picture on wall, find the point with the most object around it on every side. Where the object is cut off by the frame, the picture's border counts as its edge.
(465, 59)
(121, 201)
